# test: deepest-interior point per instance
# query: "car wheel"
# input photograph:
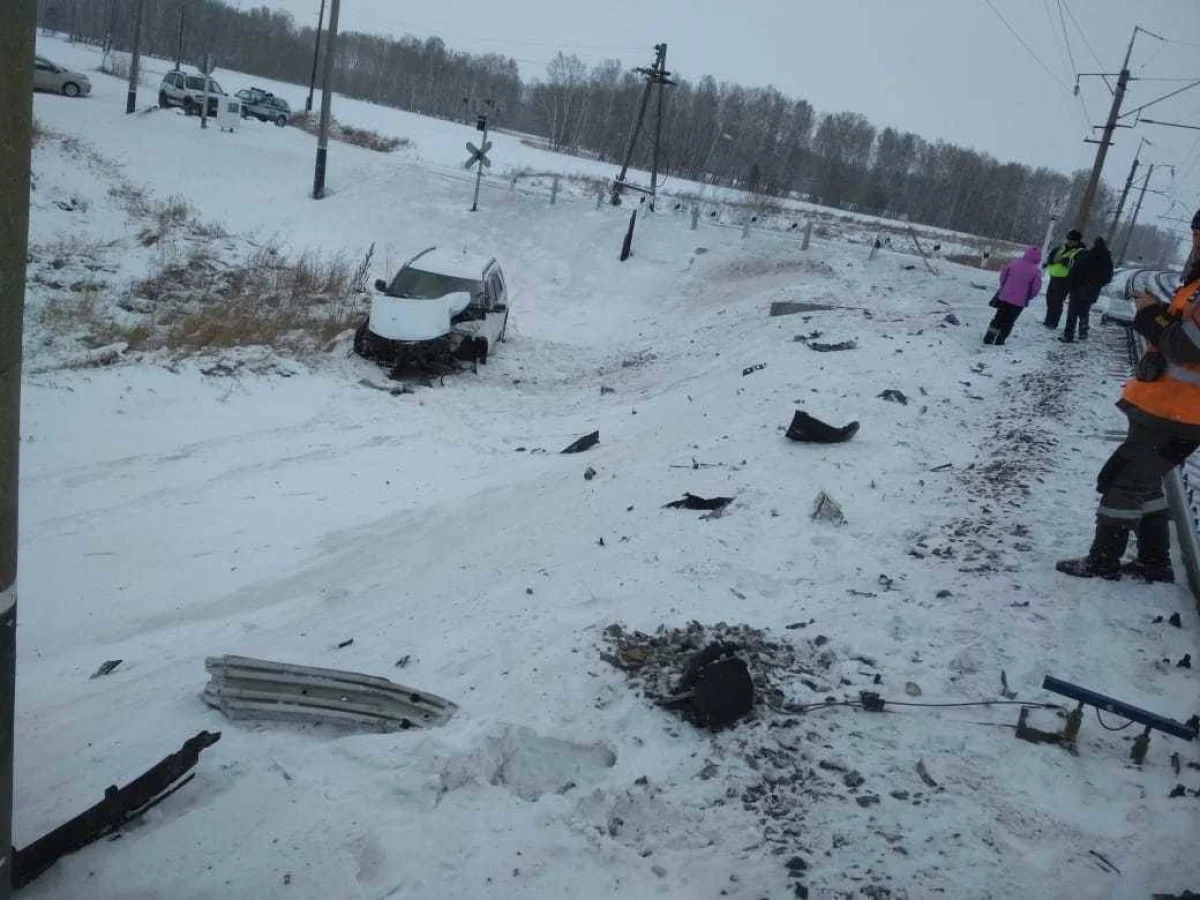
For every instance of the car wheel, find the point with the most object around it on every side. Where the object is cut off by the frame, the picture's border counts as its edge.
(70, 89)
(163, 102)
(362, 339)
(189, 108)
(281, 121)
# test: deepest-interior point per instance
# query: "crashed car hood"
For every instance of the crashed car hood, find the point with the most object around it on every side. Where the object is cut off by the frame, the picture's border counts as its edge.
(407, 319)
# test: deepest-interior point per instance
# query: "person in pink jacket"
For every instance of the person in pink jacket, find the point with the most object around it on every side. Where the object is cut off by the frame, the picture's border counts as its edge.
(1020, 282)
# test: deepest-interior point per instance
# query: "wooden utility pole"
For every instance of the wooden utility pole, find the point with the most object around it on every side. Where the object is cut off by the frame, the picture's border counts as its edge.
(326, 101)
(656, 74)
(135, 62)
(312, 81)
(16, 126)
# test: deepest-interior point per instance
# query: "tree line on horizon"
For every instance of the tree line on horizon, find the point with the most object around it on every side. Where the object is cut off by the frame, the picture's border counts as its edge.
(754, 139)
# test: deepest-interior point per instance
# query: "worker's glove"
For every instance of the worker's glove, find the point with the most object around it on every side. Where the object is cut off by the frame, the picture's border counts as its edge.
(1151, 367)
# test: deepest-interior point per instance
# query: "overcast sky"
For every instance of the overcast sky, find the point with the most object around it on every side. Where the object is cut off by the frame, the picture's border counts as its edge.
(942, 68)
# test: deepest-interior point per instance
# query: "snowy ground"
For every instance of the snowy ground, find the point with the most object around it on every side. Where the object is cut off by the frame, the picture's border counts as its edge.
(168, 516)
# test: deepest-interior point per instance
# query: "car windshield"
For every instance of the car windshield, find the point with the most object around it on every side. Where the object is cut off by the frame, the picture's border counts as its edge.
(196, 83)
(420, 285)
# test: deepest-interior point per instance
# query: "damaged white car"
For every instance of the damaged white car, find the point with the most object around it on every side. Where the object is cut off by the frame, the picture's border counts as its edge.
(442, 306)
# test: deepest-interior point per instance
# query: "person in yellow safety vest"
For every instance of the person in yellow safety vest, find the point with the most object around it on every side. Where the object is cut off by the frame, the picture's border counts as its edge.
(1058, 267)
(1162, 403)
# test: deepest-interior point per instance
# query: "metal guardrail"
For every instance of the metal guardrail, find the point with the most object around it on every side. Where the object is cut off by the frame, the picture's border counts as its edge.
(1182, 484)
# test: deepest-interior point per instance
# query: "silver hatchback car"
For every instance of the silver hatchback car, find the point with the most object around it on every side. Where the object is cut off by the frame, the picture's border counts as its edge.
(48, 76)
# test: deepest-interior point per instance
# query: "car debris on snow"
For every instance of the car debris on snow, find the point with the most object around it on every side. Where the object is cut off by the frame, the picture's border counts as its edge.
(587, 442)
(893, 396)
(691, 501)
(105, 668)
(826, 509)
(119, 807)
(811, 430)
(833, 348)
(245, 688)
(749, 370)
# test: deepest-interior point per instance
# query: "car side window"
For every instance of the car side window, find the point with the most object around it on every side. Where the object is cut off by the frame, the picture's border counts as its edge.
(43, 65)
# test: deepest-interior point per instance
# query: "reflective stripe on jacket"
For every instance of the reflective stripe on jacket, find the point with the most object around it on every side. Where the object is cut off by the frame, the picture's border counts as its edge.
(1174, 396)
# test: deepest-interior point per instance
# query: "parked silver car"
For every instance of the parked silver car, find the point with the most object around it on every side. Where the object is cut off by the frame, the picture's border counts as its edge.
(264, 106)
(48, 76)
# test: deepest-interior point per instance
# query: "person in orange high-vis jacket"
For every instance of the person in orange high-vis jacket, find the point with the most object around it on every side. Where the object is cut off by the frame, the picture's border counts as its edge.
(1162, 403)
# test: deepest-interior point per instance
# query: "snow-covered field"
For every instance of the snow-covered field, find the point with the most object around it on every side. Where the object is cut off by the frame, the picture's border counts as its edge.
(281, 508)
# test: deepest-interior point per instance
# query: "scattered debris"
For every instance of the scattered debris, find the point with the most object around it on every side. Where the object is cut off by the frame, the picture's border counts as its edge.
(691, 501)
(345, 643)
(1185, 663)
(604, 389)
(1179, 791)
(951, 319)
(792, 307)
(105, 668)
(811, 430)
(1175, 763)
(244, 688)
(834, 348)
(867, 800)
(751, 369)
(402, 662)
(1107, 864)
(912, 689)
(826, 509)
(942, 468)
(944, 594)
(589, 473)
(925, 776)
(587, 442)
(395, 390)
(894, 396)
(715, 689)
(1176, 620)
(119, 807)
(1004, 691)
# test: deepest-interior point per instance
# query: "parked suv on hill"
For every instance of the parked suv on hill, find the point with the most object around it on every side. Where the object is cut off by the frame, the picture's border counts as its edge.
(264, 106)
(186, 89)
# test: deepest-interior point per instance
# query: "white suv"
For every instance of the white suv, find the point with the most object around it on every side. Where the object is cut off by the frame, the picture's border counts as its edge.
(186, 89)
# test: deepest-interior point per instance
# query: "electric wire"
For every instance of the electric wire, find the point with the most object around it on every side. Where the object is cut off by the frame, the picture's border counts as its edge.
(1100, 719)
(1028, 49)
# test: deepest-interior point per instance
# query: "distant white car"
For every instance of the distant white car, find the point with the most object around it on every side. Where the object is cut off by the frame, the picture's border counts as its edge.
(1114, 304)
(186, 89)
(441, 304)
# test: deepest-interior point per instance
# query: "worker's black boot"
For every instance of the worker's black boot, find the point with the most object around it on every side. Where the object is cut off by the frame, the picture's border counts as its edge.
(1104, 559)
(1153, 563)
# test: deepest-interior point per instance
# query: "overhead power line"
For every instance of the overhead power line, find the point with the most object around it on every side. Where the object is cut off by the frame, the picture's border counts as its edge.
(1028, 49)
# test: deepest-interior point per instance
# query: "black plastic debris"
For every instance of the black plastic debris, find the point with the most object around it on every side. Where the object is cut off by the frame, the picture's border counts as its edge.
(951, 319)
(105, 668)
(589, 473)
(1176, 620)
(715, 689)
(834, 348)
(893, 396)
(792, 307)
(691, 501)
(587, 442)
(811, 430)
(749, 370)
(1185, 663)
(345, 643)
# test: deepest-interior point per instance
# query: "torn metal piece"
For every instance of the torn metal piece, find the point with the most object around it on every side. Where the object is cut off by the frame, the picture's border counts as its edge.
(691, 501)
(244, 688)
(106, 667)
(587, 442)
(826, 509)
(119, 806)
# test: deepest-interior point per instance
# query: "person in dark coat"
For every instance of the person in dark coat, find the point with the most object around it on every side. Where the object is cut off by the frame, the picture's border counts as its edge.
(1058, 267)
(1093, 269)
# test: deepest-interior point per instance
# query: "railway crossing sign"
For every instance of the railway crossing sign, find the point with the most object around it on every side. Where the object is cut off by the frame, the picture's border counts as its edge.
(478, 155)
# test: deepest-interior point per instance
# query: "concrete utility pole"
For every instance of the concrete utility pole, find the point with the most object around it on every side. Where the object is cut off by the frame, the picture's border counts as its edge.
(16, 126)
(1137, 209)
(1114, 112)
(179, 38)
(326, 101)
(656, 74)
(1054, 215)
(1112, 229)
(312, 81)
(658, 120)
(135, 63)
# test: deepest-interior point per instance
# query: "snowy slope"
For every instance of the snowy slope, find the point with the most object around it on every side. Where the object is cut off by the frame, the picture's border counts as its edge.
(168, 516)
